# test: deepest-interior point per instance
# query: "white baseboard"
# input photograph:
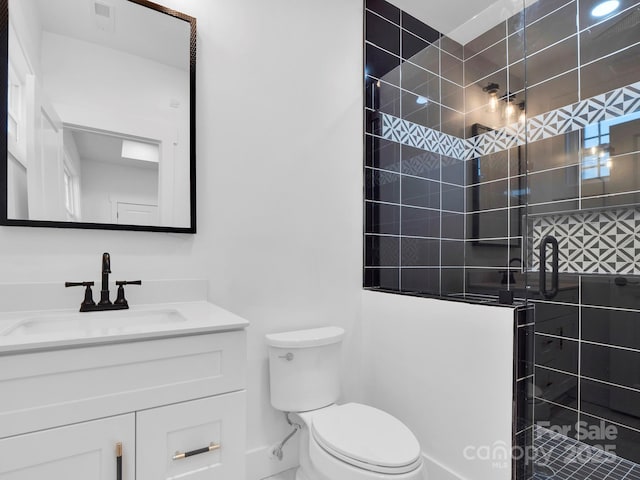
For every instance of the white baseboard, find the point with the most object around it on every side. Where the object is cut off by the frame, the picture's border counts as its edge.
(261, 464)
(437, 471)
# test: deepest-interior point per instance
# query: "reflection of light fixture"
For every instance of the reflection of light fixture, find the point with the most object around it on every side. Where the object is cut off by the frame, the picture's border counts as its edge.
(603, 153)
(605, 8)
(492, 90)
(605, 156)
(422, 100)
(509, 109)
(523, 113)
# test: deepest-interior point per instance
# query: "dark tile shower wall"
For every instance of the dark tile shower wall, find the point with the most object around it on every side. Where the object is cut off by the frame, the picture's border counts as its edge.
(415, 197)
(588, 359)
(495, 181)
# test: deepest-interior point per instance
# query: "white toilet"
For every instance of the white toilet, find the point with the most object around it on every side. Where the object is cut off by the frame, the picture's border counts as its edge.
(337, 442)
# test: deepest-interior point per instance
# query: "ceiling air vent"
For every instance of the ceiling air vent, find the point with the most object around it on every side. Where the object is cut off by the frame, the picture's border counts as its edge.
(104, 15)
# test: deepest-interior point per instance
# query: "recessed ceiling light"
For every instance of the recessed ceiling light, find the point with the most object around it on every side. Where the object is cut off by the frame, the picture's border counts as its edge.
(422, 100)
(605, 8)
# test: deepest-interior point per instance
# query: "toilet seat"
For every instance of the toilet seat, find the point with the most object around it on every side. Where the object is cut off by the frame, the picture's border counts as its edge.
(366, 438)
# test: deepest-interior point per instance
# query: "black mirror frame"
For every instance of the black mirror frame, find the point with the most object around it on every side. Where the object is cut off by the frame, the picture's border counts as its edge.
(4, 72)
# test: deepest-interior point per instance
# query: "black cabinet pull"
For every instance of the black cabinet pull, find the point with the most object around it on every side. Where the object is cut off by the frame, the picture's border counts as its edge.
(180, 455)
(548, 294)
(119, 461)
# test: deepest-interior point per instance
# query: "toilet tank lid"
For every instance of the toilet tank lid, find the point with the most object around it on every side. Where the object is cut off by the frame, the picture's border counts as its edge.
(313, 337)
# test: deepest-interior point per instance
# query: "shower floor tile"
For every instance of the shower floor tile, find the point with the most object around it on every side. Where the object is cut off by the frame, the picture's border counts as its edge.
(562, 458)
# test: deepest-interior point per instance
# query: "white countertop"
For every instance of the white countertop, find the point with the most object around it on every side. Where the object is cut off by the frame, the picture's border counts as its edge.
(193, 318)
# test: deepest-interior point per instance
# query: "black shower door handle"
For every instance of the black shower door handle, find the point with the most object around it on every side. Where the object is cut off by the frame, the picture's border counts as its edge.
(549, 239)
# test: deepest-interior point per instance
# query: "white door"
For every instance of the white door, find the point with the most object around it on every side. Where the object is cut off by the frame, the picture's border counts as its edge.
(45, 169)
(85, 451)
(136, 214)
(209, 432)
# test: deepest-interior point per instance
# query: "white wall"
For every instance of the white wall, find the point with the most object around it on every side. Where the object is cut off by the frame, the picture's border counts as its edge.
(284, 159)
(279, 88)
(76, 72)
(445, 369)
(102, 183)
(17, 202)
(26, 22)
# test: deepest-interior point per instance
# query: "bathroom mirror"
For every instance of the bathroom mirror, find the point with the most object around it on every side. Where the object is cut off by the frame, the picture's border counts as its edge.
(100, 115)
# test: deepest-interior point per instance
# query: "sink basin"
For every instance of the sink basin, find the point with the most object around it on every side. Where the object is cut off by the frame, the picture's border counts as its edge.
(22, 332)
(83, 325)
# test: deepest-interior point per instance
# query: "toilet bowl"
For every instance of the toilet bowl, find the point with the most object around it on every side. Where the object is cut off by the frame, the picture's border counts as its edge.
(357, 442)
(351, 441)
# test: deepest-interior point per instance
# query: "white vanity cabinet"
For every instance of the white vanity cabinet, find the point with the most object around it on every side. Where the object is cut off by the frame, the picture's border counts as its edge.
(84, 451)
(164, 433)
(62, 412)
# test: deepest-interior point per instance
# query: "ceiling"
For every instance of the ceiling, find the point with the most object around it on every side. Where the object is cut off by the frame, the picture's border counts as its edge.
(103, 147)
(164, 38)
(462, 20)
(444, 17)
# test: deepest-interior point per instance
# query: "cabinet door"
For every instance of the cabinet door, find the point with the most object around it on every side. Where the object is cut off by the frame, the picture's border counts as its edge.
(165, 432)
(85, 451)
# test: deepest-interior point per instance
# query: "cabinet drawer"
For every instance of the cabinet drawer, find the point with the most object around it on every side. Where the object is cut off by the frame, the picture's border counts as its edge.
(54, 388)
(86, 451)
(191, 426)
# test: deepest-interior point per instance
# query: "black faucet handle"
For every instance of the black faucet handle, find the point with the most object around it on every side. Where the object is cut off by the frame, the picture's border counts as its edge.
(78, 284)
(128, 282)
(120, 300)
(88, 294)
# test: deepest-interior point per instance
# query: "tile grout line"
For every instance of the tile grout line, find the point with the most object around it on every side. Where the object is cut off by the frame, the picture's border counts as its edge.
(400, 241)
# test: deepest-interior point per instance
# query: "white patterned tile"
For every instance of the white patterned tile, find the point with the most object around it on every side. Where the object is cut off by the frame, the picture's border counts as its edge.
(615, 103)
(599, 242)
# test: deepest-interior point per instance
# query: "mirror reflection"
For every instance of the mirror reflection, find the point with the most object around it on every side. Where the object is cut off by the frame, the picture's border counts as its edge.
(99, 113)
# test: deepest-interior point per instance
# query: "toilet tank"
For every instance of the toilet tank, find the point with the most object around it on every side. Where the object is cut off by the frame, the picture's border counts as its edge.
(304, 368)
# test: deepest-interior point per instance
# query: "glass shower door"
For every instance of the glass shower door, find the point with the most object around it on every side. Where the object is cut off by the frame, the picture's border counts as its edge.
(583, 235)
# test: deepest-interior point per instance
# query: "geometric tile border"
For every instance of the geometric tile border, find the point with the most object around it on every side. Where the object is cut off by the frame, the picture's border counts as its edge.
(408, 133)
(591, 242)
(616, 103)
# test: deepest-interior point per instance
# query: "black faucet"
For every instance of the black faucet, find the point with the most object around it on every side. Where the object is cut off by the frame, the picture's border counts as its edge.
(88, 305)
(106, 270)
(507, 275)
